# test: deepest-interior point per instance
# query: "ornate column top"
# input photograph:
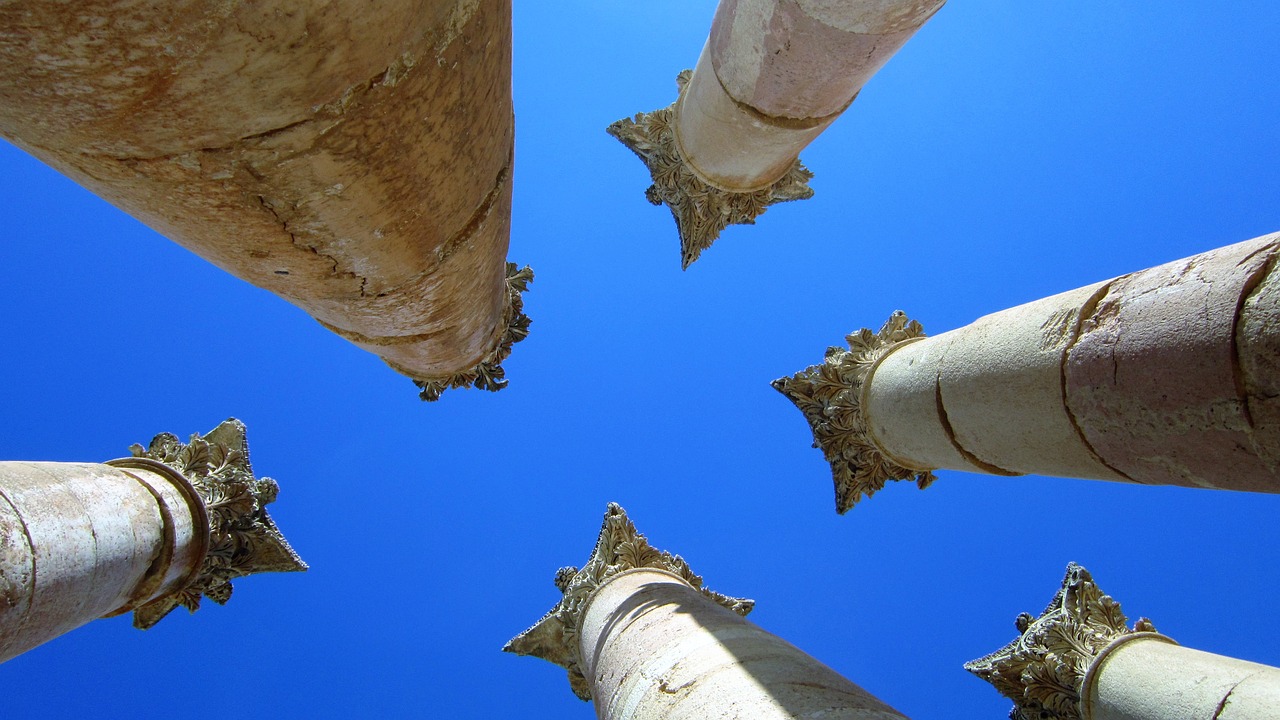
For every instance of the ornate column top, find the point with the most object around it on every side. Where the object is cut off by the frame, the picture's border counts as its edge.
(243, 539)
(830, 397)
(701, 210)
(619, 548)
(488, 373)
(1043, 671)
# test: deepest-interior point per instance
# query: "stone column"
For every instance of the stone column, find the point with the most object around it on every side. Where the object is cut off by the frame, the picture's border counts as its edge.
(641, 636)
(148, 533)
(1079, 661)
(352, 158)
(1167, 376)
(772, 76)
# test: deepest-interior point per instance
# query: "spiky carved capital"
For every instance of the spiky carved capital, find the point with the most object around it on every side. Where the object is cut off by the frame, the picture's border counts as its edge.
(701, 210)
(1043, 671)
(830, 396)
(243, 540)
(619, 548)
(488, 373)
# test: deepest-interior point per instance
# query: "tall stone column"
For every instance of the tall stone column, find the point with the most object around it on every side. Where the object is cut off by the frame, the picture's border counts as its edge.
(1079, 661)
(772, 76)
(147, 533)
(641, 636)
(352, 158)
(1167, 376)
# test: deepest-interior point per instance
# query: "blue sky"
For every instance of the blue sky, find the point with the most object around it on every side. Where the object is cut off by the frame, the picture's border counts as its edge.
(1010, 151)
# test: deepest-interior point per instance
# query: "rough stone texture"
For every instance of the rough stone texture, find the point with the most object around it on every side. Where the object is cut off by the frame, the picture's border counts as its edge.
(1153, 380)
(728, 145)
(1258, 348)
(804, 60)
(1001, 390)
(1146, 679)
(775, 73)
(659, 649)
(355, 161)
(80, 541)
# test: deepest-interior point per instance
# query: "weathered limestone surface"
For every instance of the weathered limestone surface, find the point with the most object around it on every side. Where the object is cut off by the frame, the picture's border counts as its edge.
(773, 75)
(641, 637)
(355, 160)
(1079, 661)
(1165, 376)
(79, 541)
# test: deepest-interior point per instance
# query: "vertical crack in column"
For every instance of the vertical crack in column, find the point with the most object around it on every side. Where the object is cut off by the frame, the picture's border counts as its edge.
(1086, 311)
(945, 421)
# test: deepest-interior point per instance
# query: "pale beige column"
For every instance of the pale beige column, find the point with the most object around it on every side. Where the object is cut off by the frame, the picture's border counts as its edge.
(352, 158)
(1079, 661)
(642, 638)
(772, 76)
(1167, 376)
(147, 533)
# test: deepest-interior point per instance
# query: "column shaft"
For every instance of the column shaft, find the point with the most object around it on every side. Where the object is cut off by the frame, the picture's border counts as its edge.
(656, 648)
(1138, 378)
(84, 540)
(775, 73)
(1166, 376)
(354, 159)
(1151, 679)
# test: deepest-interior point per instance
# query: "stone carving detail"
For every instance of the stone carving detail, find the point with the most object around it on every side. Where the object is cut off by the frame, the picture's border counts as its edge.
(620, 547)
(488, 373)
(243, 539)
(829, 395)
(701, 210)
(1043, 670)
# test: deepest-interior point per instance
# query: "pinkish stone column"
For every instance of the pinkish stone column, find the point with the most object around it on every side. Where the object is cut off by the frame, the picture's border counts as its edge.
(772, 76)
(1080, 661)
(79, 541)
(644, 640)
(1166, 376)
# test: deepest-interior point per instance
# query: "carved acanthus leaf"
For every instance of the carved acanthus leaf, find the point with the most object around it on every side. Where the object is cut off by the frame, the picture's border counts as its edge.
(488, 373)
(243, 539)
(701, 210)
(829, 396)
(620, 547)
(1043, 670)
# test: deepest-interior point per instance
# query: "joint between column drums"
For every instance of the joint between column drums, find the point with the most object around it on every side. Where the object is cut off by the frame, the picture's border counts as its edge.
(945, 422)
(1251, 283)
(782, 121)
(26, 533)
(159, 567)
(199, 520)
(1086, 311)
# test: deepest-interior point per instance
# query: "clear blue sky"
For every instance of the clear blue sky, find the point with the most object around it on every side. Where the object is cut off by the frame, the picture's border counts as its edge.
(1011, 151)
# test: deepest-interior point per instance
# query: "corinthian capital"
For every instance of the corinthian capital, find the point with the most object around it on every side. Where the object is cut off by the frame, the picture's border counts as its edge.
(619, 548)
(243, 540)
(830, 397)
(1043, 671)
(701, 210)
